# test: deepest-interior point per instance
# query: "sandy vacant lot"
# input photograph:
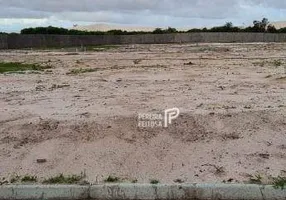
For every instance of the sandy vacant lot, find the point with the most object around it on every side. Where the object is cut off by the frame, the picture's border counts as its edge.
(232, 125)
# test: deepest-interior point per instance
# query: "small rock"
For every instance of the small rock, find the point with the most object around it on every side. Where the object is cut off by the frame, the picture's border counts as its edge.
(221, 87)
(264, 155)
(189, 63)
(41, 160)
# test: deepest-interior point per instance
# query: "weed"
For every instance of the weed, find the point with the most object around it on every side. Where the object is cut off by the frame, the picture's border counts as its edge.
(257, 179)
(231, 136)
(55, 86)
(219, 170)
(281, 78)
(137, 61)
(268, 76)
(101, 47)
(178, 181)
(215, 49)
(277, 63)
(112, 179)
(15, 178)
(62, 179)
(189, 63)
(260, 63)
(14, 67)
(81, 71)
(279, 182)
(134, 181)
(28, 178)
(154, 181)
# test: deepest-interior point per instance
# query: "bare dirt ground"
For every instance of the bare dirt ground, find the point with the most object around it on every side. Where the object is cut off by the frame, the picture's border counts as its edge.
(232, 125)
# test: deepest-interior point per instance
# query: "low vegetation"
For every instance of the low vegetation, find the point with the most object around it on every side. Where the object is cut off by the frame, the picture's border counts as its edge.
(28, 178)
(275, 63)
(258, 26)
(14, 67)
(82, 70)
(100, 47)
(112, 179)
(256, 179)
(63, 179)
(154, 181)
(279, 182)
(15, 179)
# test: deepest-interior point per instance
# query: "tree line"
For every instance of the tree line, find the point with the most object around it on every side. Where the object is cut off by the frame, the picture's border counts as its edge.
(262, 26)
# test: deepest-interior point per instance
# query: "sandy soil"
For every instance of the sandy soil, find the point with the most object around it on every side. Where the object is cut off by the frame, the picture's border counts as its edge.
(232, 125)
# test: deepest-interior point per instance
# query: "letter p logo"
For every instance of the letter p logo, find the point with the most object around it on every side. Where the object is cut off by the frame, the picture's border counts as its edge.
(170, 114)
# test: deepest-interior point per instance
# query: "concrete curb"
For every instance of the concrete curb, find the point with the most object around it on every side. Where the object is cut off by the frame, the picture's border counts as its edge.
(142, 192)
(41, 192)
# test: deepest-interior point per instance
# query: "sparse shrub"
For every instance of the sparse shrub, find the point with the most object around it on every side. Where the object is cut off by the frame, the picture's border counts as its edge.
(62, 179)
(279, 182)
(81, 71)
(112, 179)
(257, 179)
(134, 181)
(277, 63)
(178, 181)
(154, 181)
(28, 178)
(15, 179)
(13, 67)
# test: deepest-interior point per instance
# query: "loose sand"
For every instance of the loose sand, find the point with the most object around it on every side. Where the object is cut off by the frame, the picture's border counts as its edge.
(232, 125)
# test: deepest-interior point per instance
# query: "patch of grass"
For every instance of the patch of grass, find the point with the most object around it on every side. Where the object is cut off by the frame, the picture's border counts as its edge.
(116, 67)
(268, 76)
(15, 179)
(100, 47)
(231, 136)
(277, 63)
(257, 179)
(259, 63)
(55, 86)
(28, 178)
(215, 49)
(134, 181)
(281, 78)
(137, 61)
(154, 181)
(112, 179)
(279, 182)
(82, 71)
(62, 179)
(14, 67)
(178, 181)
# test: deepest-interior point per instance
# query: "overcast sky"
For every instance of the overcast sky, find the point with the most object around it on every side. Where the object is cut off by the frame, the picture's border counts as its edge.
(18, 14)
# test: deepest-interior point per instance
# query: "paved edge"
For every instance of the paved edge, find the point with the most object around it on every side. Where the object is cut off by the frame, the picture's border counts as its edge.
(41, 192)
(142, 192)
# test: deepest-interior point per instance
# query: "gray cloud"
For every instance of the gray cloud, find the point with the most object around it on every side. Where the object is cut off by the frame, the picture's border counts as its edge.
(280, 4)
(144, 12)
(187, 8)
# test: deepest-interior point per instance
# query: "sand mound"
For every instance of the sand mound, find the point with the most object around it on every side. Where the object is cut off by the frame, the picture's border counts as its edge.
(108, 27)
(279, 25)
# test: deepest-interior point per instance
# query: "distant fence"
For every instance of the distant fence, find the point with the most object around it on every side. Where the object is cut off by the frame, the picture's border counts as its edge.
(41, 41)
